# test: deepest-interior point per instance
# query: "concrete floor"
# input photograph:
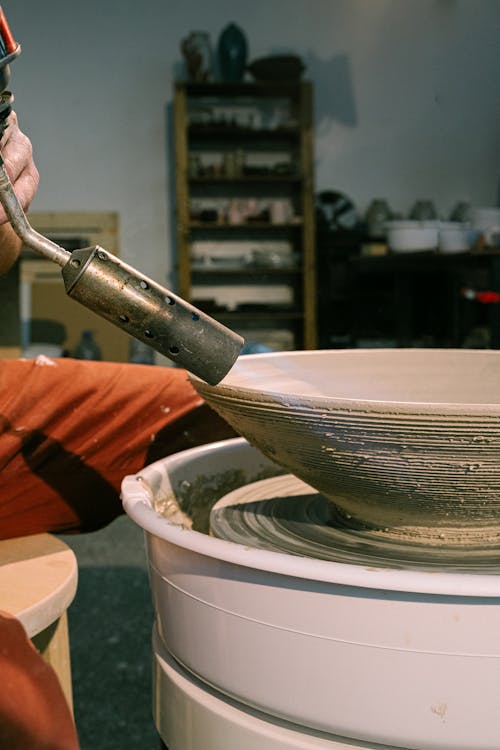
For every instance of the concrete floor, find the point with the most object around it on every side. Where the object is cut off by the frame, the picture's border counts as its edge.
(110, 624)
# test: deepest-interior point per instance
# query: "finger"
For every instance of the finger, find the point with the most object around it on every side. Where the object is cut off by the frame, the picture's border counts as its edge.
(25, 188)
(17, 152)
(12, 123)
(26, 184)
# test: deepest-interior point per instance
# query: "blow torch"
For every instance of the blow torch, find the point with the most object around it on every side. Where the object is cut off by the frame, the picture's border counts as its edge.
(113, 289)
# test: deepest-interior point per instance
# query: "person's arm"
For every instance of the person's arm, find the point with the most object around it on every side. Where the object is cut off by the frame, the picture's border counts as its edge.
(17, 154)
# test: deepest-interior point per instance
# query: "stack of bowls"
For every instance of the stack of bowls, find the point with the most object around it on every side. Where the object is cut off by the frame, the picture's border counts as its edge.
(409, 236)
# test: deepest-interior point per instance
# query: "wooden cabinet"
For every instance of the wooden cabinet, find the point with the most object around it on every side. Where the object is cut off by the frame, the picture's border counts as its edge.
(422, 299)
(427, 299)
(244, 208)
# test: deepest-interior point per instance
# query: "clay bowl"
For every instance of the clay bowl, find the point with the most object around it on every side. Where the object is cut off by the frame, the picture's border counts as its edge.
(404, 442)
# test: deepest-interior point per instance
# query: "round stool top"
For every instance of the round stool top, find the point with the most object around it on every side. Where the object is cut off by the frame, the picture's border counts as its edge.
(38, 579)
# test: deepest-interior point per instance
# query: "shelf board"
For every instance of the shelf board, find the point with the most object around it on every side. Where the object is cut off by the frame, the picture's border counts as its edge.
(242, 89)
(238, 133)
(244, 179)
(236, 315)
(247, 226)
(257, 271)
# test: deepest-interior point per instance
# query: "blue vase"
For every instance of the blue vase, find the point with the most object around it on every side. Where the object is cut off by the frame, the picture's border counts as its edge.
(232, 51)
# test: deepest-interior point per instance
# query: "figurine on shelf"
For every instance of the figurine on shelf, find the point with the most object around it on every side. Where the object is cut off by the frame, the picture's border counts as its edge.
(197, 51)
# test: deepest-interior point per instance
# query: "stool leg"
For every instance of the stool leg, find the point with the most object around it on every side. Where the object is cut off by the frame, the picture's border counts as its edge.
(53, 645)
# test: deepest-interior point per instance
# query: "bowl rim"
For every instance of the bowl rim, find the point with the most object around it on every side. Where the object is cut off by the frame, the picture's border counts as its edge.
(394, 408)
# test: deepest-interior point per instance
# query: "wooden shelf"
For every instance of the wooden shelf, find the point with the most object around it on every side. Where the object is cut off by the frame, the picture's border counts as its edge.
(245, 179)
(257, 89)
(412, 299)
(237, 133)
(289, 143)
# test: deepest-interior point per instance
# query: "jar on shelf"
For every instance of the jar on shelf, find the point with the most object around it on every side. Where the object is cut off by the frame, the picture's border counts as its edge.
(461, 211)
(423, 210)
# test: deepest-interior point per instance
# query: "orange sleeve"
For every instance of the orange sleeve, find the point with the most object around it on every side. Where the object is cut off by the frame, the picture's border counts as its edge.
(34, 714)
(70, 430)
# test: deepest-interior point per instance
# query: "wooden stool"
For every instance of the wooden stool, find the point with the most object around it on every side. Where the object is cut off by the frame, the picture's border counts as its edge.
(38, 579)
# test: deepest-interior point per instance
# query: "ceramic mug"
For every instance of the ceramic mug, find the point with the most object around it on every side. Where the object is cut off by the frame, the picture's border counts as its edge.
(456, 237)
(280, 211)
(486, 220)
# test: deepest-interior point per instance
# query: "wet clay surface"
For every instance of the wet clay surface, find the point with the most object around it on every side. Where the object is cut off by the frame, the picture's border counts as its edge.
(286, 515)
(190, 505)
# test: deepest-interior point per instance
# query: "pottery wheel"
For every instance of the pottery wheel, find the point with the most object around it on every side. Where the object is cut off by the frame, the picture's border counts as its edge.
(284, 514)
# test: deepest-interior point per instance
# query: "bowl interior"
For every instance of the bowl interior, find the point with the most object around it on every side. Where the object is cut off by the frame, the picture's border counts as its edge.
(405, 376)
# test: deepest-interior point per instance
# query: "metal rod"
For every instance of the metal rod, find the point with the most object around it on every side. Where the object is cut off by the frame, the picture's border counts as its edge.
(23, 228)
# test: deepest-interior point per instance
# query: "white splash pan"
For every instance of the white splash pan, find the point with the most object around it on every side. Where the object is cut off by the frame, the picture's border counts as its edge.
(216, 722)
(404, 658)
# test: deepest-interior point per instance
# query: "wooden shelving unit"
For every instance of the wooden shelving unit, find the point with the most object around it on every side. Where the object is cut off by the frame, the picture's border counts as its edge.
(245, 207)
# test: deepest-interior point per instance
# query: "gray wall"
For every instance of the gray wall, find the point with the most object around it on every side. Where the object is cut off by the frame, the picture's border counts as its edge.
(407, 99)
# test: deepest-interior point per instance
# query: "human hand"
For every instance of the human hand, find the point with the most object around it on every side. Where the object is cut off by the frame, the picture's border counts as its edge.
(17, 155)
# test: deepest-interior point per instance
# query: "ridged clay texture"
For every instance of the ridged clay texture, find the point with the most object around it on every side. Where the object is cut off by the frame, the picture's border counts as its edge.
(406, 441)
